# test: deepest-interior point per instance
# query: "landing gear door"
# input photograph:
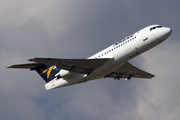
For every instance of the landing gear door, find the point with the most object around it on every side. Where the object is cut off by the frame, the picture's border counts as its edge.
(144, 36)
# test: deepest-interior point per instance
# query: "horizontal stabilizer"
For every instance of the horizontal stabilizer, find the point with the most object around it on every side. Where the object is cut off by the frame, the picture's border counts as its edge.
(26, 66)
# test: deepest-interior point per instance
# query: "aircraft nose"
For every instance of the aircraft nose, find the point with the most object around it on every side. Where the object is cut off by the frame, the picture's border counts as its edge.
(167, 32)
(163, 33)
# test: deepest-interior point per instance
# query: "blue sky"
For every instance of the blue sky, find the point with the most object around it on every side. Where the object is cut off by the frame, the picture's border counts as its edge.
(79, 29)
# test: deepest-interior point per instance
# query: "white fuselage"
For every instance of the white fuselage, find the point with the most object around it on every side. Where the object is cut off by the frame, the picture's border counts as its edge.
(121, 52)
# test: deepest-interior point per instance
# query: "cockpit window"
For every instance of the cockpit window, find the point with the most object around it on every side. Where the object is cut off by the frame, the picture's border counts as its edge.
(159, 26)
(152, 28)
(155, 27)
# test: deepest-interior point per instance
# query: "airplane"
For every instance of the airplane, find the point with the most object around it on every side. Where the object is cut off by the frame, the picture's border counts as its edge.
(111, 62)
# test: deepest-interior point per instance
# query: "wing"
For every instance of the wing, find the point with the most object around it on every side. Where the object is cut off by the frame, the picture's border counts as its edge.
(86, 66)
(83, 66)
(128, 71)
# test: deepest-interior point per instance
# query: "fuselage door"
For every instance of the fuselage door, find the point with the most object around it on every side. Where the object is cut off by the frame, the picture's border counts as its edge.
(144, 36)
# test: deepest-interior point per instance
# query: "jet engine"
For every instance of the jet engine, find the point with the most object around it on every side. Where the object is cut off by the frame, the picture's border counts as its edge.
(62, 73)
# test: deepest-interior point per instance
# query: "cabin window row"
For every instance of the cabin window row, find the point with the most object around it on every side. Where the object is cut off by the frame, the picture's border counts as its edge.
(121, 44)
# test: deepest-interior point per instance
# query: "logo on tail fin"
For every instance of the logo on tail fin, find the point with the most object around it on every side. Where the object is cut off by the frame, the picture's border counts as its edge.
(48, 70)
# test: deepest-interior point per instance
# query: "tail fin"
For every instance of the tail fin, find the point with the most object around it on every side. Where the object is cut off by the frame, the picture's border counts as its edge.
(47, 72)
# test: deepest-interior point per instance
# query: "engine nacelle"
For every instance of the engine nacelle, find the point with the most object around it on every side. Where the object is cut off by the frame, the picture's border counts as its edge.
(62, 73)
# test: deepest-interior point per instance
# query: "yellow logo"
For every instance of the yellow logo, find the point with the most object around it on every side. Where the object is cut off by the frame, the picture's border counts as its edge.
(48, 70)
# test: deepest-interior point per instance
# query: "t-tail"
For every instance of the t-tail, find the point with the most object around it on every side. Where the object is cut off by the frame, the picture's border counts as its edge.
(47, 72)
